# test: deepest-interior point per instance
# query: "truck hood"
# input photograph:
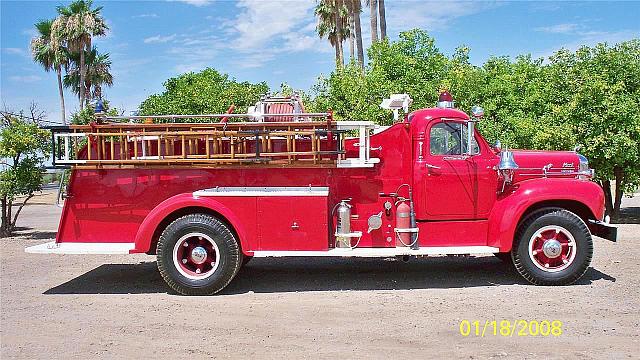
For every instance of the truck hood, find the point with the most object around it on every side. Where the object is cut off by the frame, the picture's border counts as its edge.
(529, 160)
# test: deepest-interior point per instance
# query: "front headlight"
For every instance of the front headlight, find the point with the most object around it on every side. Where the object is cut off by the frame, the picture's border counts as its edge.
(583, 167)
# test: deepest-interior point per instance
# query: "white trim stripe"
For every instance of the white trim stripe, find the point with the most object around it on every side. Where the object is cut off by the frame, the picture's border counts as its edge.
(264, 191)
(383, 252)
(80, 248)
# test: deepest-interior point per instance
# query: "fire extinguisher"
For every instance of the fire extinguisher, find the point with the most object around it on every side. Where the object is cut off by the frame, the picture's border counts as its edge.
(406, 226)
(403, 221)
(343, 226)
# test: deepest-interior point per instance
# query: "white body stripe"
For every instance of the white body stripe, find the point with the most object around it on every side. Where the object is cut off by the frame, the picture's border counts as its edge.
(80, 248)
(383, 252)
(264, 191)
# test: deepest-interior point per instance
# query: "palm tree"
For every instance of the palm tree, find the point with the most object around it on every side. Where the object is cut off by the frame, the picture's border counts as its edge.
(333, 23)
(373, 7)
(97, 67)
(355, 8)
(50, 57)
(383, 20)
(341, 30)
(75, 26)
(352, 38)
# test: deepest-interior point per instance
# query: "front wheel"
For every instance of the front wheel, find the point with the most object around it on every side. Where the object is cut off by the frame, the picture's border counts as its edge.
(553, 247)
(198, 255)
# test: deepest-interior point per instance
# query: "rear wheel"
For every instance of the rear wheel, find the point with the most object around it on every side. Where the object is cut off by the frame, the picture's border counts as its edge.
(554, 247)
(198, 255)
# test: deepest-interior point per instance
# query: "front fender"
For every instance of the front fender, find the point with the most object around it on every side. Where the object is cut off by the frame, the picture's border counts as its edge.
(510, 207)
(144, 236)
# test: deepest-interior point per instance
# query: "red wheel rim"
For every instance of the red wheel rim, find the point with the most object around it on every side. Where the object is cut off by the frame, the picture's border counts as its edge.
(552, 248)
(196, 256)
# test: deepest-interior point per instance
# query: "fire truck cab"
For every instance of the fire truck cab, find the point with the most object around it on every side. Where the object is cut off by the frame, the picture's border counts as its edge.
(205, 198)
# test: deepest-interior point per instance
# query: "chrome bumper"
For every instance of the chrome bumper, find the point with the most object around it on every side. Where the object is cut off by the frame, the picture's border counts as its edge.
(603, 230)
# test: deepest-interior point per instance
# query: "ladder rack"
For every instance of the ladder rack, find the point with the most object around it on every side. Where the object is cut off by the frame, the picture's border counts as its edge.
(281, 144)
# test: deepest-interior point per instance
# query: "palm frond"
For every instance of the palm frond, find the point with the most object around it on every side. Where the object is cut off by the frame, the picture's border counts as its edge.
(97, 72)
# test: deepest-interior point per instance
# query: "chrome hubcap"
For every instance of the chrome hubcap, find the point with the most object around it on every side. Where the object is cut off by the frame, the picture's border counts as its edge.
(552, 248)
(198, 255)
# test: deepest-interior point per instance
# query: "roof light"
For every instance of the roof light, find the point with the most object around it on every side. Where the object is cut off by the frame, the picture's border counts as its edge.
(445, 100)
(99, 107)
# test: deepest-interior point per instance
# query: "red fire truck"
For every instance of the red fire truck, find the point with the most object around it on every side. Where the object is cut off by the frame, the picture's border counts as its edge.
(205, 194)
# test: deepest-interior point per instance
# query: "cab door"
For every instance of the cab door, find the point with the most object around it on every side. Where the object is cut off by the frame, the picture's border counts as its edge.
(448, 177)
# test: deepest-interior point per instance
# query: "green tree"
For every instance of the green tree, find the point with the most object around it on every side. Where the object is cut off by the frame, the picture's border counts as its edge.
(596, 91)
(205, 92)
(88, 114)
(23, 146)
(75, 27)
(516, 98)
(50, 57)
(412, 65)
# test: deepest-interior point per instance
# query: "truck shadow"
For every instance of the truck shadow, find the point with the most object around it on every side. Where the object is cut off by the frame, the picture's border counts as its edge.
(33, 234)
(304, 274)
(629, 215)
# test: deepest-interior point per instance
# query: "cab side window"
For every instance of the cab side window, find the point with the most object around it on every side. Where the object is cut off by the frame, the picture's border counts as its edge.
(450, 138)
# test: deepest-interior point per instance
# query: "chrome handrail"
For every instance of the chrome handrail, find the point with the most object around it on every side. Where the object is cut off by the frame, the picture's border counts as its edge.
(60, 192)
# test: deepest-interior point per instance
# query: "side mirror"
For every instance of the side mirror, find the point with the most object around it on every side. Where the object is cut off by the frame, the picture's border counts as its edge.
(477, 111)
(470, 137)
(497, 145)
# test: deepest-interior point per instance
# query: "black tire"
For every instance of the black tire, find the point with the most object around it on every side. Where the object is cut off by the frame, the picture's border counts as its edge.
(555, 217)
(229, 255)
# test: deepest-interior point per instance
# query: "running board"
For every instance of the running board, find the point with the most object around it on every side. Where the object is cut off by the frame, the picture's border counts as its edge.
(81, 248)
(383, 252)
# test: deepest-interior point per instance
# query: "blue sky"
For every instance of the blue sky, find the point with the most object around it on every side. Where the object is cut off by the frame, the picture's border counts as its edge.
(274, 41)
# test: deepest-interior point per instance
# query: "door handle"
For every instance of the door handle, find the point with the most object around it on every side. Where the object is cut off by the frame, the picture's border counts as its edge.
(432, 166)
(295, 226)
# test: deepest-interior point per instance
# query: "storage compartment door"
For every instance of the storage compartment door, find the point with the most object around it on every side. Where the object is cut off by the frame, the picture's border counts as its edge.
(292, 223)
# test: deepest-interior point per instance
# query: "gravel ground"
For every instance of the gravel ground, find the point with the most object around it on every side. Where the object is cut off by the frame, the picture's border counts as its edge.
(70, 306)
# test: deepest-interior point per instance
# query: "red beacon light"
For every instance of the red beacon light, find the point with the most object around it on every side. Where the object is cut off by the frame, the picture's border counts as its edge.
(445, 100)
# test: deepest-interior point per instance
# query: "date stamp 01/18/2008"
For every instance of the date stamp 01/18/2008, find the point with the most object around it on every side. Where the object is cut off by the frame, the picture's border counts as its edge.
(510, 328)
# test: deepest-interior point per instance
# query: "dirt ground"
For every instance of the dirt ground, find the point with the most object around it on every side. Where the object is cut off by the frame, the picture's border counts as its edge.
(72, 306)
